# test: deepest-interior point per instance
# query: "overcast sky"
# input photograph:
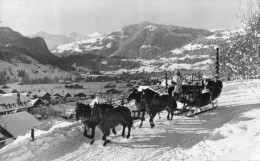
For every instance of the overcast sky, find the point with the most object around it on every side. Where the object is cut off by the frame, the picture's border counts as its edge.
(88, 16)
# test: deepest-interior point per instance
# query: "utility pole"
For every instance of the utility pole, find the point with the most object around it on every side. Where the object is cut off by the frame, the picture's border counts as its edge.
(1, 12)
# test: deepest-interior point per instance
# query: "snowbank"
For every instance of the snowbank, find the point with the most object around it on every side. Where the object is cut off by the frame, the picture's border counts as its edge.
(230, 132)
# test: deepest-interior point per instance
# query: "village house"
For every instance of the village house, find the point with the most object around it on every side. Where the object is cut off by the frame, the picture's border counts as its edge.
(5, 87)
(43, 96)
(2, 92)
(80, 95)
(110, 85)
(13, 102)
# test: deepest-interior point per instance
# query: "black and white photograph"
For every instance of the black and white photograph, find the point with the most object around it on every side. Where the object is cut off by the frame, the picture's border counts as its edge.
(129, 80)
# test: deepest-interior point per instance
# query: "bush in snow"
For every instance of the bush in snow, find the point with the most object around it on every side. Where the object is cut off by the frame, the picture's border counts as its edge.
(45, 112)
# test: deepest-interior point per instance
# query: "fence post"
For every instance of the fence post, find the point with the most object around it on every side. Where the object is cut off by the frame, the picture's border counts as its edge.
(166, 81)
(32, 134)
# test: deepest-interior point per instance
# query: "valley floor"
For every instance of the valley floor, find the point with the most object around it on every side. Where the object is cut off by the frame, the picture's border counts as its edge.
(230, 132)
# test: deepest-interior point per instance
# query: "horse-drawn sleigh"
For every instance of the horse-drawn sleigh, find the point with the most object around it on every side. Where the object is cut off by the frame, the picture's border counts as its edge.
(148, 100)
(192, 96)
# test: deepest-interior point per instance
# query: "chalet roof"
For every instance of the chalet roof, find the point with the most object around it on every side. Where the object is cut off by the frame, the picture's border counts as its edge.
(12, 98)
(113, 91)
(2, 92)
(67, 95)
(33, 102)
(58, 95)
(14, 91)
(80, 95)
(5, 86)
(42, 94)
(110, 85)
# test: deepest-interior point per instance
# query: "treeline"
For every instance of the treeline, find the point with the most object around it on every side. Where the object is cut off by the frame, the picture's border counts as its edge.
(4, 78)
(95, 62)
(44, 80)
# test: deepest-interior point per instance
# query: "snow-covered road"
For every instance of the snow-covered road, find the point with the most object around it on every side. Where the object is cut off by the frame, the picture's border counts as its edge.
(230, 132)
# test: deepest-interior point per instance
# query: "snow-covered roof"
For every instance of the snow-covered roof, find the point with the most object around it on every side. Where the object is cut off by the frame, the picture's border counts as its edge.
(12, 98)
(18, 123)
(42, 94)
(32, 102)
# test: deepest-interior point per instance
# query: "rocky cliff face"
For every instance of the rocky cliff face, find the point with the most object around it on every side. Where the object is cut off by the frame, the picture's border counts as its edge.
(53, 41)
(13, 45)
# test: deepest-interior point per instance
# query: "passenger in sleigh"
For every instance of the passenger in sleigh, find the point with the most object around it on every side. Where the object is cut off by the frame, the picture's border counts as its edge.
(206, 89)
(177, 83)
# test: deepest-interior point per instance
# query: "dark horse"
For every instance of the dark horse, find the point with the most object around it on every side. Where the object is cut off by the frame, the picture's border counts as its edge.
(137, 96)
(156, 103)
(191, 95)
(140, 104)
(83, 112)
(110, 118)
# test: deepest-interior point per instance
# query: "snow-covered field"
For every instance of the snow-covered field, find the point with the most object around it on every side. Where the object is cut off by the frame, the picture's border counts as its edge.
(230, 132)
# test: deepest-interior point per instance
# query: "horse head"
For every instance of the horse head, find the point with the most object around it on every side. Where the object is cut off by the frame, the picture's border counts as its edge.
(82, 111)
(96, 113)
(134, 95)
(149, 94)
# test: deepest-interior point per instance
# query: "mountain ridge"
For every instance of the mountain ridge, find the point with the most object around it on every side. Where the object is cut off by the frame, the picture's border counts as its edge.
(144, 40)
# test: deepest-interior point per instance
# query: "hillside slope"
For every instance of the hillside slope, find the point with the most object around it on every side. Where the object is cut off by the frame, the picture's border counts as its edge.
(13, 45)
(27, 58)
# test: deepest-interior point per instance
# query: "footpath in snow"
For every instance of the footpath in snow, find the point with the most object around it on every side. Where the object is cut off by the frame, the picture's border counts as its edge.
(230, 132)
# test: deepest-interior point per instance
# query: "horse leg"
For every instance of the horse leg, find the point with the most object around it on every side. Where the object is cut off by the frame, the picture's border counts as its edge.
(114, 131)
(93, 135)
(173, 107)
(104, 138)
(151, 120)
(142, 119)
(172, 113)
(85, 131)
(129, 129)
(168, 115)
(123, 131)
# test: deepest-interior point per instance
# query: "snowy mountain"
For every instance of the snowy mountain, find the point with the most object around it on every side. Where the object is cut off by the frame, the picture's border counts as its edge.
(120, 48)
(238, 56)
(53, 41)
(229, 132)
(93, 42)
(198, 54)
(145, 40)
